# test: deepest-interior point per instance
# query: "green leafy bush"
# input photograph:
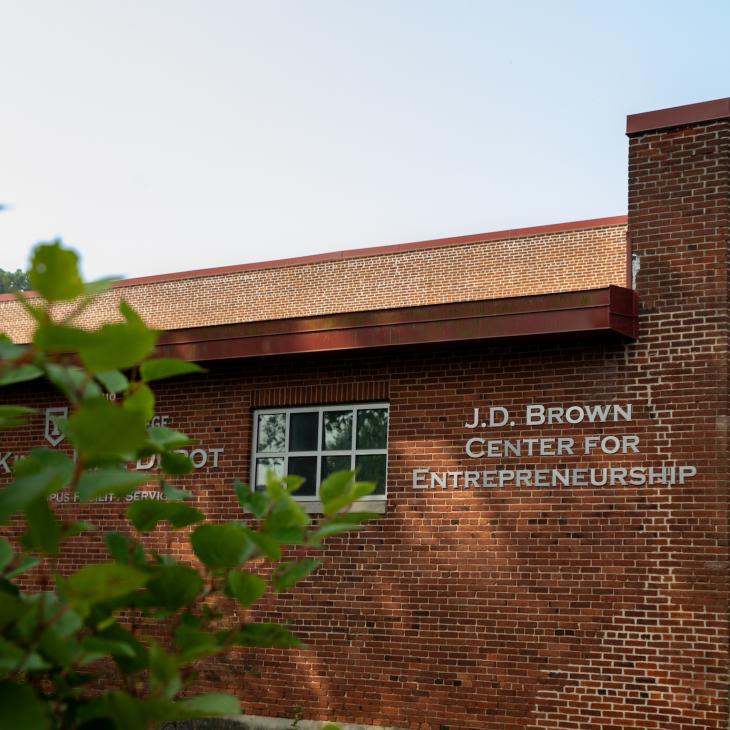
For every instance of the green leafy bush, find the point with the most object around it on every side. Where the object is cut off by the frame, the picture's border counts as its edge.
(51, 639)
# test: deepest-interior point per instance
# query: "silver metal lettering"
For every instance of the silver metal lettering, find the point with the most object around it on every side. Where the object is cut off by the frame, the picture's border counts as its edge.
(470, 451)
(418, 474)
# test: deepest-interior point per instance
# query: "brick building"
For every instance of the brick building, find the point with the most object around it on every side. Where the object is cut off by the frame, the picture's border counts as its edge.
(547, 424)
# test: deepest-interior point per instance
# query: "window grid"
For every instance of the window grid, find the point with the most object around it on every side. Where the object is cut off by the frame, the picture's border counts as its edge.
(353, 452)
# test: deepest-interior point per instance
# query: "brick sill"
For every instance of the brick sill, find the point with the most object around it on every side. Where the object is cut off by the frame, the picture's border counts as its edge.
(378, 506)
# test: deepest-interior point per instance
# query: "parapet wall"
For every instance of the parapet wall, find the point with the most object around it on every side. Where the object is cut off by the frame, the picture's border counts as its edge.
(583, 255)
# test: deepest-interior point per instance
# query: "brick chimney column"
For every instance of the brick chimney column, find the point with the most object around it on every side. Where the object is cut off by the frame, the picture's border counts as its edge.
(679, 228)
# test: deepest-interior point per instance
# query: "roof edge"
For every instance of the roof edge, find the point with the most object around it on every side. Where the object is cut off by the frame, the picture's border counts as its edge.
(609, 311)
(678, 116)
(385, 250)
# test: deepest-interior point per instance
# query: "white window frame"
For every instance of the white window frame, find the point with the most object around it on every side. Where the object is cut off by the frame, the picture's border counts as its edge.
(353, 452)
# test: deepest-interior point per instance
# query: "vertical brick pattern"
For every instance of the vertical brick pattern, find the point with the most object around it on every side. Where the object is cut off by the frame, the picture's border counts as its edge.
(663, 662)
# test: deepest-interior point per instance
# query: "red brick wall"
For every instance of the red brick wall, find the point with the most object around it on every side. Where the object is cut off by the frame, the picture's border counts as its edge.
(533, 608)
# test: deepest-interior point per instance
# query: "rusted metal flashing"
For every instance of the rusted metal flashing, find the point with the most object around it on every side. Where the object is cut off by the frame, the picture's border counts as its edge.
(678, 116)
(610, 312)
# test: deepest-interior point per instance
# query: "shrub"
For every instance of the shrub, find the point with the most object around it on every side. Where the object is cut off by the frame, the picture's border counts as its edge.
(51, 639)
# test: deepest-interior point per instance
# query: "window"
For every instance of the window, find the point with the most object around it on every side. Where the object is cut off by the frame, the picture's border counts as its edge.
(313, 442)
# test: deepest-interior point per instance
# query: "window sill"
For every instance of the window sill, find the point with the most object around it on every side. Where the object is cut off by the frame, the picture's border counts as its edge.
(371, 505)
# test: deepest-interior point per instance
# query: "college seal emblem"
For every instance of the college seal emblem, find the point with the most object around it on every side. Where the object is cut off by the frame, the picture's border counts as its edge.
(53, 433)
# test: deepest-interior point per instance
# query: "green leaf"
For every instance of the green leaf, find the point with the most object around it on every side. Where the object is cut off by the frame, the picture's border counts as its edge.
(336, 485)
(72, 381)
(143, 400)
(124, 549)
(113, 381)
(6, 587)
(194, 643)
(97, 648)
(277, 486)
(286, 512)
(166, 439)
(21, 708)
(11, 608)
(62, 651)
(287, 535)
(40, 473)
(75, 528)
(44, 532)
(162, 368)
(128, 665)
(209, 705)
(102, 431)
(11, 656)
(174, 586)
(118, 546)
(9, 350)
(34, 662)
(94, 288)
(102, 582)
(120, 345)
(125, 712)
(39, 459)
(52, 337)
(220, 546)
(291, 482)
(191, 620)
(288, 574)
(66, 622)
(174, 494)
(266, 635)
(13, 416)
(98, 482)
(20, 374)
(54, 272)
(165, 676)
(257, 503)
(176, 463)
(246, 587)
(145, 515)
(57, 640)
(266, 544)
(362, 489)
(340, 490)
(6, 553)
(37, 313)
(26, 563)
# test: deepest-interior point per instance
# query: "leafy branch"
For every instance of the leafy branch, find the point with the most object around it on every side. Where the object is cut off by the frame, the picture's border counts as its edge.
(50, 639)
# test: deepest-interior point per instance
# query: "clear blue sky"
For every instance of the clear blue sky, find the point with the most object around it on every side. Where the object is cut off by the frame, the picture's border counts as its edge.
(167, 135)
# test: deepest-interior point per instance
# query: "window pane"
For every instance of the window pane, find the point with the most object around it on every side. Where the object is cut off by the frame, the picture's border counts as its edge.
(303, 431)
(271, 432)
(304, 466)
(337, 431)
(266, 465)
(372, 428)
(371, 468)
(334, 463)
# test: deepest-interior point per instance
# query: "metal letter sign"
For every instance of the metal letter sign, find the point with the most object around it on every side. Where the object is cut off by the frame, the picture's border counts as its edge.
(53, 432)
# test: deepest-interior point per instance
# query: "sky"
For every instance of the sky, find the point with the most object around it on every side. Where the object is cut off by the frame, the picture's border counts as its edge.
(167, 135)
